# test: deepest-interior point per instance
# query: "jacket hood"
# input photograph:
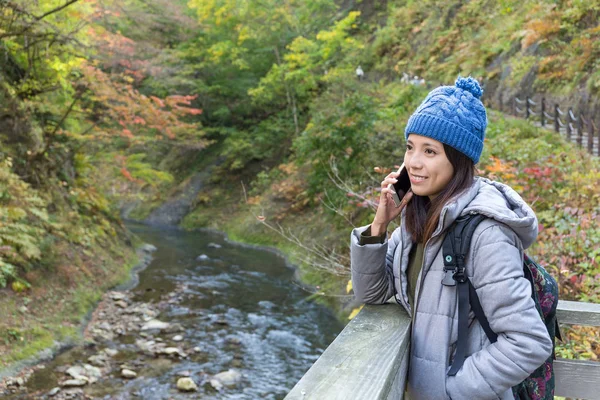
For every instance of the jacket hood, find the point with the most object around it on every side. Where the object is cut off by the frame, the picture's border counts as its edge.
(497, 201)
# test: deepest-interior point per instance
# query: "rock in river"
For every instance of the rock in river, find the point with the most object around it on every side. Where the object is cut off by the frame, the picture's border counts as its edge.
(74, 382)
(186, 385)
(127, 373)
(227, 378)
(155, 324)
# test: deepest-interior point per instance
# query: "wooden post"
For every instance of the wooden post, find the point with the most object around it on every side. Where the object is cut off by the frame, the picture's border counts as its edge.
(543, 110)
(580, 129)
(527, 107)
(569, 120)
(514, 106)
(556, 118)
(500, 100)
(590, 143)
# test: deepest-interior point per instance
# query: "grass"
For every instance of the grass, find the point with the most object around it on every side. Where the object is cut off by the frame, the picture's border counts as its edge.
(58, 302)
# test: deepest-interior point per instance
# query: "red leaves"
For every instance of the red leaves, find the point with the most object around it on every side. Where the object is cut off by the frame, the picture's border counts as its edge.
(136, 114)
(127, 174)
(157, 101)
(139, 120)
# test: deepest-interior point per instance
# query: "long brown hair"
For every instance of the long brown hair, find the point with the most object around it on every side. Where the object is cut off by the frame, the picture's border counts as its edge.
(422, 215)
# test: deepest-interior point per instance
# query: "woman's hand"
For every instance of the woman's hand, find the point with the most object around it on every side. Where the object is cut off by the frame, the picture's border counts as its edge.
(387, 210)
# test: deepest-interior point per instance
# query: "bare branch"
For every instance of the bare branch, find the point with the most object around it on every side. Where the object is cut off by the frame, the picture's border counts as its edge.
(57, 9)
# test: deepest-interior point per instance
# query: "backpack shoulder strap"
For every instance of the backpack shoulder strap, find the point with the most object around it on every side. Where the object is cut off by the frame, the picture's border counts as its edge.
(455, 248)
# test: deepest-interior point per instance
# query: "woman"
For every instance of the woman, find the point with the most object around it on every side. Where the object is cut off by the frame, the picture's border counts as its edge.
(444, 142)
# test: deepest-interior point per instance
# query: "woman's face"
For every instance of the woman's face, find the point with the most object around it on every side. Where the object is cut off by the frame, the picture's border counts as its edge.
(428, 167)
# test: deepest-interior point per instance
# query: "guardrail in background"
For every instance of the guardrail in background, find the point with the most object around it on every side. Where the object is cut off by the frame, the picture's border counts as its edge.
(578, 129)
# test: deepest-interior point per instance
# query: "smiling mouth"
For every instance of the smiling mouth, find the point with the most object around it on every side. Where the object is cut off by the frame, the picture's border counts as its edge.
(417, 178)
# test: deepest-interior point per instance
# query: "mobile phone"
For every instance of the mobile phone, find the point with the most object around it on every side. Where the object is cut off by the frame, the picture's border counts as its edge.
(401, 187)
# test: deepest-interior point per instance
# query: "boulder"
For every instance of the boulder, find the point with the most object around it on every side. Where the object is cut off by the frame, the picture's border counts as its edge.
(74, 382)
(76, 372)
(117, 296)
(186, 385)
(128, 374)
(173, 328)
(121, 304)
(92, 371)
(216, 384)
(111, 352)
(155, 324)
(98, 360)
(148, 248)
(228, 378)
(172, 351)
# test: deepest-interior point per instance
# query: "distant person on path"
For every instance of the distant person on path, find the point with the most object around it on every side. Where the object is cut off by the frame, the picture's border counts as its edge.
(360, 73)
(444, 141)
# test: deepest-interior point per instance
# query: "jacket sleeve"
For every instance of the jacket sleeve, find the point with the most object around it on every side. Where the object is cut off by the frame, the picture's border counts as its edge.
(505, 295)
(371, 264)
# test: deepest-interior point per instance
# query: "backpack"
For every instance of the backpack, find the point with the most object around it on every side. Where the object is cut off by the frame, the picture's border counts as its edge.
(540, 384)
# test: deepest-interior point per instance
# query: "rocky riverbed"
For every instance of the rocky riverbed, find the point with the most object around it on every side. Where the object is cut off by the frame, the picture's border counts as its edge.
(208, 319)
(118, 316)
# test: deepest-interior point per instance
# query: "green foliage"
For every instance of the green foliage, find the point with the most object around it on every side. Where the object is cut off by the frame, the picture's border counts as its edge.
(23, 221)
(477, 37)
(309, 62)
(337, 136)
(265, 140)
(235, 43)
(144, 171)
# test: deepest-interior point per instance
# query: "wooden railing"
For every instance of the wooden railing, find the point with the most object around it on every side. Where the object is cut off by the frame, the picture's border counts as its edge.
(369, 358)
(576, 128)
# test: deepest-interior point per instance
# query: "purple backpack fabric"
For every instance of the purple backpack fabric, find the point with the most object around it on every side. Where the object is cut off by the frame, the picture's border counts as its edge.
(540, 384)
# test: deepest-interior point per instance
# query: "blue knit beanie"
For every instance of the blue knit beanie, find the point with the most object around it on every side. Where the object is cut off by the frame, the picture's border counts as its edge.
(453, 115)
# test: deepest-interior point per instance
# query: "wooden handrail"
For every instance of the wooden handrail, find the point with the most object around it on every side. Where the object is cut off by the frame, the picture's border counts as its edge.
(369, 358)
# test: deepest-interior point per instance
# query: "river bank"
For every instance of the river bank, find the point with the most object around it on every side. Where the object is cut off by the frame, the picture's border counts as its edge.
(59, 312)
(208, 316)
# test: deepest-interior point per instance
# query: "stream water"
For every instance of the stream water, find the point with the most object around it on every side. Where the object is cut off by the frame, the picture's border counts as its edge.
(238, 305)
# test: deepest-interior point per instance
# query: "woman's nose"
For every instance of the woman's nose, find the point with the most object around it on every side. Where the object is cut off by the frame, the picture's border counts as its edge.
(414, 162)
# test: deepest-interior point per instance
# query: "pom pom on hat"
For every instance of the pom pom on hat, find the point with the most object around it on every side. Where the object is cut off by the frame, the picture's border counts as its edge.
(470, 85)
(453, 115)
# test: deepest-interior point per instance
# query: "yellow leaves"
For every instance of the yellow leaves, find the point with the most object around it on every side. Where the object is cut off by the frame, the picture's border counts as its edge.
(243, 34)
(355, 312)
(254, 200)
(289, 168)
(349, 286)
(539, 30)
(500, 169)
(18, 287)
(580, 342)
(15, 213)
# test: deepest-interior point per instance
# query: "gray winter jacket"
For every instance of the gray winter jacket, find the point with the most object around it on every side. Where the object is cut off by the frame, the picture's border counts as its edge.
(494, 266)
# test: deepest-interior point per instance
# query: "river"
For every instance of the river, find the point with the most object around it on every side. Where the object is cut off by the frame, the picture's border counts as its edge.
(239, 308)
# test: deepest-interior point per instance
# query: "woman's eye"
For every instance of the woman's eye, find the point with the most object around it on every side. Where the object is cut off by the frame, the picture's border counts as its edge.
(408, 147)
(429, 151)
